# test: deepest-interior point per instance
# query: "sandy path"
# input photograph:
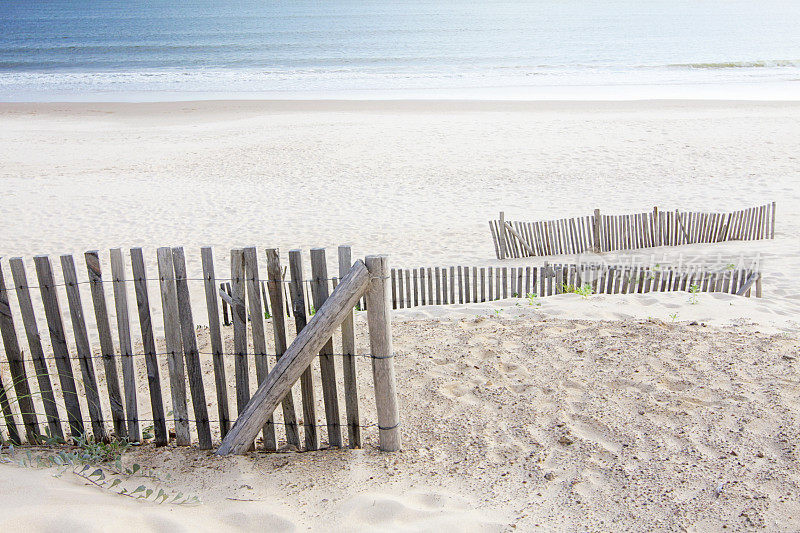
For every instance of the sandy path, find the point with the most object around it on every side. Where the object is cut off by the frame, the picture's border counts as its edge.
(526, 421)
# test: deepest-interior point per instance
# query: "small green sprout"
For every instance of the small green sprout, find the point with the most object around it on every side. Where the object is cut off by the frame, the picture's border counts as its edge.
(533, 299)
(694, 290)
(584, 290)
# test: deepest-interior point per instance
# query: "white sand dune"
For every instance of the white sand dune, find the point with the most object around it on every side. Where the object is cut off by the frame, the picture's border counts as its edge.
(606, 413)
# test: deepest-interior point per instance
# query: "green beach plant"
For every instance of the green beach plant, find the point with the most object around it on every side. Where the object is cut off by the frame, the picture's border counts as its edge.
(694, 290)
(99, 463)
(584, 290)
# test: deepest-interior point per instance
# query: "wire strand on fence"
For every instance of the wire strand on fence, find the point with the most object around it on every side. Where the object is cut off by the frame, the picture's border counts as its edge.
(87, 421)
(86, 282)
(157, 354)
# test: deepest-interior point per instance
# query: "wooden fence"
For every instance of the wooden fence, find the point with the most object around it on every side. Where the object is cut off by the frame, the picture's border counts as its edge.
(604, 233)
(413, 287)
(53, 401)
(226, 296)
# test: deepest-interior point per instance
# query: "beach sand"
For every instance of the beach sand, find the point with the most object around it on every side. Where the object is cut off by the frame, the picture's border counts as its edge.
(599, 413)
(415, 180)
(510, 421)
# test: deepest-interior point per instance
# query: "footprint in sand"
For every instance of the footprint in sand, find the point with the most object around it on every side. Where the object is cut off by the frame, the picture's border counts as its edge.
(427, 511)
(455, 390)
(258, 521)
(593, 431)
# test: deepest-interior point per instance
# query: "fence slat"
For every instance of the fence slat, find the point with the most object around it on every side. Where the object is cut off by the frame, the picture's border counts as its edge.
(408, 287)
(445, 299)
(125, 345)
(319, 275)
(772, 223)
(218, 360)
(19, 378)
(494, 239)
(431, 297)
(83, 348)
(349, 360)
(253, 290)
(190, 353)
(465, 282)
(306, 379)
(239, 319)
(438, 281)
(106, 344)
(149, 346)
(40, 365)
(452, 285)
(394, 289)
(225, 320)
(55, 325)
(8, 416)
(274, 284)
(173, 345)
(416, 287)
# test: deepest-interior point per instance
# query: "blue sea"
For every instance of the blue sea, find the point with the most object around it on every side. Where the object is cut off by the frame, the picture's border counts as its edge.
(158, 50)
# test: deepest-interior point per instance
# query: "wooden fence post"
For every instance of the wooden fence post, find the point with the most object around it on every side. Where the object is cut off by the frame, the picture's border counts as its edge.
(596, 223)
(379, 321)
(657, 223)
(772, 228)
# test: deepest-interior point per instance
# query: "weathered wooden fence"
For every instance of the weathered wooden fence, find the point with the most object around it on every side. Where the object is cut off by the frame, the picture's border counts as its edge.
(413, 287)
(53, 402)
(604, 233)
(226, 295)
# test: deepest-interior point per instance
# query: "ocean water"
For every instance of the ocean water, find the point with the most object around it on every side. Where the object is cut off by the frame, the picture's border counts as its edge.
(167, 50)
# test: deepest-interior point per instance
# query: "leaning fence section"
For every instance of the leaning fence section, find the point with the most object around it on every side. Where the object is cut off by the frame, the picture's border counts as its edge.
(604, 233)
(412, 287)
(193, 385)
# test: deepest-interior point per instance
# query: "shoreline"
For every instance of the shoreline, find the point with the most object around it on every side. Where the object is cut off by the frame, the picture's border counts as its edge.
(358, 104)
(174, 111)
